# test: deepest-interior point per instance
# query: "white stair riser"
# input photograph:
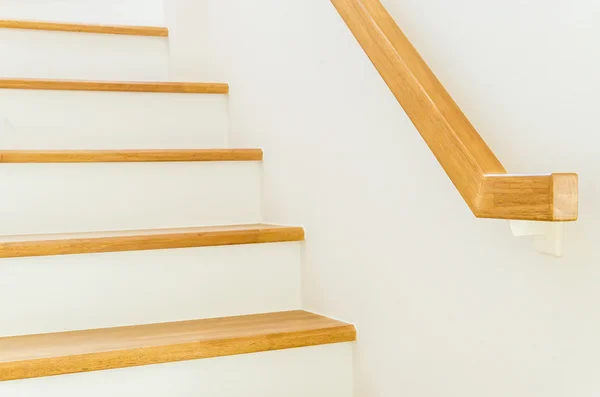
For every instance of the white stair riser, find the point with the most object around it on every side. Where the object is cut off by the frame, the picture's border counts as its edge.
(107, 12)
(74, 292)
(35, 119)
(87, 197)
(84, 56)
(318, 371)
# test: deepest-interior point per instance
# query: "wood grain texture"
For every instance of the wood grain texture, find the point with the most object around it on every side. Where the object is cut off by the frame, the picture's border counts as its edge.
(121, 86)
(536, 197)
(35, 356)
(565, 196)
(459, 148)
(142, 240)
(86, 28)
(128, 156)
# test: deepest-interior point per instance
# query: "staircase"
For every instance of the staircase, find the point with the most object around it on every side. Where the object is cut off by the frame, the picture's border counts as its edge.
(133, 260)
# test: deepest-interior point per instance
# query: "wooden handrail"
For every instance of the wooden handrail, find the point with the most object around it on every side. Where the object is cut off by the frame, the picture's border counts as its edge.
(475, 171)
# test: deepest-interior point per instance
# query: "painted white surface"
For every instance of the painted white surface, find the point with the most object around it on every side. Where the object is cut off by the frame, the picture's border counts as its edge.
(318, 371)
(445, 305)
(107, 12)
(63, 198)
(84, 56)
(70, 292)
(548, 236)
(32, 119)
(194, 53)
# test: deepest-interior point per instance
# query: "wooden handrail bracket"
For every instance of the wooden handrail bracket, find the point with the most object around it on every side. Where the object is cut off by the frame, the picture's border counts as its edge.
(477, 174)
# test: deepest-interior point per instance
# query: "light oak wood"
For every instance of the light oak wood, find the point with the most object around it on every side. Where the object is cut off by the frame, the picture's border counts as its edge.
(461, 151)
(128, 156)
(142, 240)
(35, 356)
(86, 28)
(130, 86)
(535, 197)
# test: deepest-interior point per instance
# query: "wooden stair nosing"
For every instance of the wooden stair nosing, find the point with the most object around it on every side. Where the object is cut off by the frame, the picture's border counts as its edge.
(155, 31)
(127, 156)
(143, 240)
(115, 86)
(33, 356)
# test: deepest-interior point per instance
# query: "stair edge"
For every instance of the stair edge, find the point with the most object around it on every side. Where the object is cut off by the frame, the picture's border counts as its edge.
(128, 30)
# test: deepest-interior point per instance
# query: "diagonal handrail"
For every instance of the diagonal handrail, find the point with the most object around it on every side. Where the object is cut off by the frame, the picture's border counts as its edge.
(477, 174)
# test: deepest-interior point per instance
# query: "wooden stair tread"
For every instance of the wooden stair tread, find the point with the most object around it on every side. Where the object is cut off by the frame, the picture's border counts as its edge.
(120, 86)
(32, 356)
(94, 156)
(141, 240)
(156, 31)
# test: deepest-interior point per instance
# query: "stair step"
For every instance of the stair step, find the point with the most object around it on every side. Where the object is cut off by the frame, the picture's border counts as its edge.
(115, 289)
(90, 197)
(128, 156)
(77, 55)
(42, 355)
(316, 371)
(120, 86)
(111, 120)
(142, 240)
(86, 28)
(104, 12)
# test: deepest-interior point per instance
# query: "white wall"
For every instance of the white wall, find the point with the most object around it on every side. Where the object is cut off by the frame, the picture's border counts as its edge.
(446, 305)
